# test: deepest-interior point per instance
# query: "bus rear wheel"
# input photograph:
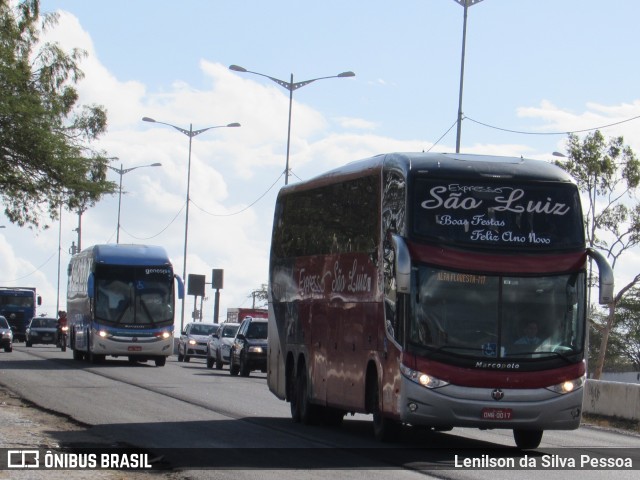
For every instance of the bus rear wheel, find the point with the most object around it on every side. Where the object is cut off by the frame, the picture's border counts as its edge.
(527, 439)
(309, 412)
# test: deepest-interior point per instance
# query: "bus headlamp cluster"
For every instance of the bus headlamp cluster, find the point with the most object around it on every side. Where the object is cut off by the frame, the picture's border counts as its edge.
(423, 379)
(163, 335)
(103, 334)
(567, 386)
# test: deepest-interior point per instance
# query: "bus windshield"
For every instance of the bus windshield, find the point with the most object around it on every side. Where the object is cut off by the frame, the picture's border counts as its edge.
(134, 295)
(489, 317)
(17, 301)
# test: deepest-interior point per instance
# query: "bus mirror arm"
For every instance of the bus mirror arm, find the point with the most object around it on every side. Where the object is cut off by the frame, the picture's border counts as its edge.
(402, 264)
(605, 275)
(180, 286)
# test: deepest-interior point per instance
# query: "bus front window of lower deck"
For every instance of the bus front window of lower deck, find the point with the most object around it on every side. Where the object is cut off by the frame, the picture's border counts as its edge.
(465, 315)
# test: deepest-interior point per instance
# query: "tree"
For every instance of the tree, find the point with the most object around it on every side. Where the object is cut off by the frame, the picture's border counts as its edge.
(260, 295)
(46, 160)
(629, 328)
(608, 174)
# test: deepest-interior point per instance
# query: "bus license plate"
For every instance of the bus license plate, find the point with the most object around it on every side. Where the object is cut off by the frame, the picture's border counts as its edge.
(497, 414)
(136, 348)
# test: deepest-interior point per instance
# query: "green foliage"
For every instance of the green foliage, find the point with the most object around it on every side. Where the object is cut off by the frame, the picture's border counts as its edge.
(45, 155)
(608, 174)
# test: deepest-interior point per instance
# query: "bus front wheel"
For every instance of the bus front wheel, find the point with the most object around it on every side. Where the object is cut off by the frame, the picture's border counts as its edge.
(527, 439)
(384, 429)
(160, 361)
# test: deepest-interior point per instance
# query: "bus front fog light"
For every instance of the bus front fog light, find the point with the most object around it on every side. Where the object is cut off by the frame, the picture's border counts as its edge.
(412, 407)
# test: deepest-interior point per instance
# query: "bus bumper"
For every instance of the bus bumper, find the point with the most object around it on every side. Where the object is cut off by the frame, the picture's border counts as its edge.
(455, 406)
(145, 347)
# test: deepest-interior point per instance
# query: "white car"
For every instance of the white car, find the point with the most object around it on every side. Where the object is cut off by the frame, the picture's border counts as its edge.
(6, 335)
(193, 341)
(220, 343)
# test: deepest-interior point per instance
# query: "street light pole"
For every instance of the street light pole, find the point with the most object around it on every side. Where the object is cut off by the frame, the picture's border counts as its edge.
(189, 133)
(291, 86)
(466, 4)
(121, 171)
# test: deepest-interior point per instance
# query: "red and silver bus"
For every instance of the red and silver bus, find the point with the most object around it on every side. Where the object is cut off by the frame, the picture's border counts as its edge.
(437, 290)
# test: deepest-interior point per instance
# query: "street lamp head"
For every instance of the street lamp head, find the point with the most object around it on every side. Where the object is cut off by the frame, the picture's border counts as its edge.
(147, 119)
(347, 74)
(155, 164)
(237, 68)
(234, 124)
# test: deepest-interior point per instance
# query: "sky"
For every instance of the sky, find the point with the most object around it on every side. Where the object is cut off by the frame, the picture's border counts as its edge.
(533, 70)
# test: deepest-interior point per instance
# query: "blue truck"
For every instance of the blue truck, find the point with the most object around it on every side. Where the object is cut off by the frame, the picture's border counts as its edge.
(18, 306)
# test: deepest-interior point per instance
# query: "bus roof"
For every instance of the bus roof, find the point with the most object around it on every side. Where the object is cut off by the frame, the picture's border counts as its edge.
(457, 165)
(118, 254)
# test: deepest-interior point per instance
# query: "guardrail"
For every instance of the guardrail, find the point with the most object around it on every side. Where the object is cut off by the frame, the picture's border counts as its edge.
(612, 399)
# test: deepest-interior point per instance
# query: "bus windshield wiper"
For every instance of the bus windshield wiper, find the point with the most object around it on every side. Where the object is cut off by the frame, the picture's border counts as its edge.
(146, 310)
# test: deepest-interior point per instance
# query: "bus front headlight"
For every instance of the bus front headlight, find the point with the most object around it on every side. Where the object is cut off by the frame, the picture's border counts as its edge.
(567, 386)
(423, 379)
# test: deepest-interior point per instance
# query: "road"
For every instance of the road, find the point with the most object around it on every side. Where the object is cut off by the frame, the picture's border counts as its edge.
(184, 408)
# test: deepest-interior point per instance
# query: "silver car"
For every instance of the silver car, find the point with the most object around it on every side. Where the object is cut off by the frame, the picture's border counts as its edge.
(193, 341)
(6, 335)
(219, 345)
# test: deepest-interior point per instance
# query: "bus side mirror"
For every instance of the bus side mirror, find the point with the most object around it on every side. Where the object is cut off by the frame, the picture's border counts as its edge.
(180, 286)
(605, 275)
(39, 300)
(91, 283)
(402, 264)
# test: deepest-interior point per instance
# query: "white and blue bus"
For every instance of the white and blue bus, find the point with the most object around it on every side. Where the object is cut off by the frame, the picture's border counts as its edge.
(120, 302)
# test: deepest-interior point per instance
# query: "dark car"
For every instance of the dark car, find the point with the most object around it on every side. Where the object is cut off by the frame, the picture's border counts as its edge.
(249, 348)
(41, 330)
(219, 344)
(193, 341)
(6, 335)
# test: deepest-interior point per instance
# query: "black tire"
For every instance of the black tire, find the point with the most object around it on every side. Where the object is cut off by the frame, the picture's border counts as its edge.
(384, 429)
(292, 394)
(233, 370)
(209, 361)
(28, 344)
(309, 413)
(219, 363)
(527, 439)
(244, 367)
(77, 354)
(9, 348)
(63, 347)
(186, 358)
(160, 361)
(332, 417)
(94, 358)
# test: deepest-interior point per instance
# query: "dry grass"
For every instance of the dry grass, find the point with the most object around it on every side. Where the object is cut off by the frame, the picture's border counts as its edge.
(612, 422)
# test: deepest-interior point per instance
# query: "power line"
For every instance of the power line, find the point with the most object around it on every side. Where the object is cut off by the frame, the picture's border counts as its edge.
(157, 234)
(34, 271)
(243, 209)
(550, 133)
(204, 211)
